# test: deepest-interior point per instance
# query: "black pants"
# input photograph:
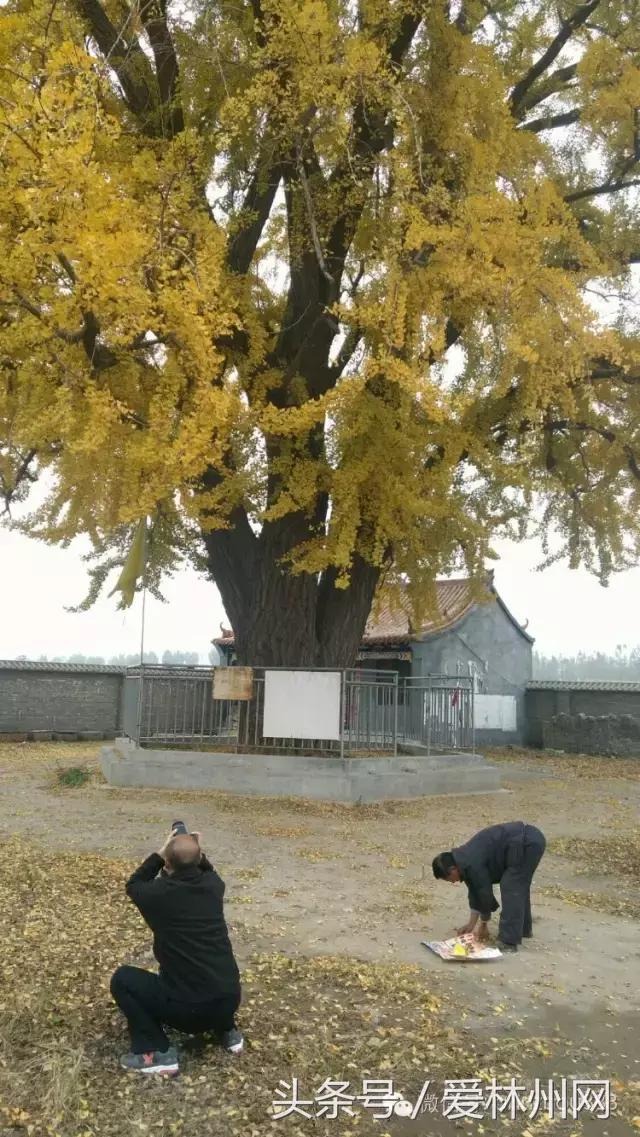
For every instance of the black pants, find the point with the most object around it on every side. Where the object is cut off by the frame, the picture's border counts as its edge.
(515, 885)
(147, 1004)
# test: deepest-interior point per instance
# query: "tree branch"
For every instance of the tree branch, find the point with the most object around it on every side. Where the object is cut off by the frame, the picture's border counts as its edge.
(22, 474)
(551, 122)
(602, 369)
(128, 61)
(587, 428)
(257, 205)
(99, 355)
(408, 27)
(335, 606)
(602, 432)
(542, 64)
(154, 17)
(606, 187)
(452, 334)
(258, 18)
(311, 217)
(467, 21)
(373, 133)
(61, 333)
(347, 352)
(232, 554)
(555, 82)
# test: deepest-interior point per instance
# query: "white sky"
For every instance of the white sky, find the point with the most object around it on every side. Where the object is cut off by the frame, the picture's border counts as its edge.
(567, 611)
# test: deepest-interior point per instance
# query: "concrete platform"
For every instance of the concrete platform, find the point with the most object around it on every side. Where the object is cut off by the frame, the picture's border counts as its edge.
(326, 779)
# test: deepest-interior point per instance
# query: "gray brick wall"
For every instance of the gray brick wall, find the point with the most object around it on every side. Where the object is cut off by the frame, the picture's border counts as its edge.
(613, 735)
(63, 701)
(68, 699)
(545, 705)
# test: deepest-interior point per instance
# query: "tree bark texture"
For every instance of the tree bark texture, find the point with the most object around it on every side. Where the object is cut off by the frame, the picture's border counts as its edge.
(285, 620)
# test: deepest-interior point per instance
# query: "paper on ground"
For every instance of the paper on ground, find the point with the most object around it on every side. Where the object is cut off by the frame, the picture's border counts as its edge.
(474, 952)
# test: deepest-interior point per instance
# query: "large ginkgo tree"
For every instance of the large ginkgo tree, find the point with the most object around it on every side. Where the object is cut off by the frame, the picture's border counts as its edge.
(332, 291)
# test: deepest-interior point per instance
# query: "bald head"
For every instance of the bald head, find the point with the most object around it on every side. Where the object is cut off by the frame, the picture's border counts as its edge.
(182, 852)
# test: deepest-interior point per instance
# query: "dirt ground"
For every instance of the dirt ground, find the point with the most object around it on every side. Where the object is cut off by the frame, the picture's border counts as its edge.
(342, 898)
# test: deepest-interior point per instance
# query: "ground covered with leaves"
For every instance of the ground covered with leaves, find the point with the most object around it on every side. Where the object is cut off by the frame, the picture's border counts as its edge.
(327, 906)
(68, 925)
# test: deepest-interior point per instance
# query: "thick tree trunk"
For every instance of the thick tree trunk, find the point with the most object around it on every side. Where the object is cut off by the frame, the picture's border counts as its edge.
(281, 620)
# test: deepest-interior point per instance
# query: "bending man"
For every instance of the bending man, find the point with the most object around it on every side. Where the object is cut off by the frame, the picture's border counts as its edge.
(507, 854)
(198, 987)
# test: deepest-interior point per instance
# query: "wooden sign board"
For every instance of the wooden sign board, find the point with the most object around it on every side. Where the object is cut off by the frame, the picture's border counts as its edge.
(233, 683)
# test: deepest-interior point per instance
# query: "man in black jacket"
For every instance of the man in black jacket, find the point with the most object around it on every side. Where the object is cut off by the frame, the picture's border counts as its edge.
(180, 896)
(508, 854)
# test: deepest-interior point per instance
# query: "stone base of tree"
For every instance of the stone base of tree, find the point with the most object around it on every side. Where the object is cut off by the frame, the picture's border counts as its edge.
(351, 780)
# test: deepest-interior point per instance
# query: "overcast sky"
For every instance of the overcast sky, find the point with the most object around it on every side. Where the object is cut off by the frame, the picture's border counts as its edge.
(567, 611)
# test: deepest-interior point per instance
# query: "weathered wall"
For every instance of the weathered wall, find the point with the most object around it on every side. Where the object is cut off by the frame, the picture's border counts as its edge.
(544, 704)
(502, 657)
(60, 701)
(587, 718)
(614, 735)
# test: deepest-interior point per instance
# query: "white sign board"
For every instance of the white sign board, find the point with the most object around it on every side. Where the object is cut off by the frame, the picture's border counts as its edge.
(495, 712)
(302, 704)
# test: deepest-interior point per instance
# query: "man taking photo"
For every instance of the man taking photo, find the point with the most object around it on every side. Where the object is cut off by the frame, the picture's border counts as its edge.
(180, 896)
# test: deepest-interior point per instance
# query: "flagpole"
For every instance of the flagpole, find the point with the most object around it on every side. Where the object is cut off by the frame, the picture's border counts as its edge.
(142, 628)
(144, 607)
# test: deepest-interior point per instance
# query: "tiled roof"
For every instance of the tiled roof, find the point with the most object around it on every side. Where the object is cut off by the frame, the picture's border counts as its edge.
(582, 685)
(41, 665)
(392, 626)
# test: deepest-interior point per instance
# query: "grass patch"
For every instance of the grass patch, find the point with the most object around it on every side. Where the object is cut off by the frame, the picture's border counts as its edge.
(73, 777)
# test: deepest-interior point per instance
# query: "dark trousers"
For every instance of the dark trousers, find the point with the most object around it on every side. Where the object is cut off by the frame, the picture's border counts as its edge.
(515, 886)
(148, 1005)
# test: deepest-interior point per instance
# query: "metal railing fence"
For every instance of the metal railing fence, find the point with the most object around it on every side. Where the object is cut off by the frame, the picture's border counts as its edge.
(174, 707)
(437, 712)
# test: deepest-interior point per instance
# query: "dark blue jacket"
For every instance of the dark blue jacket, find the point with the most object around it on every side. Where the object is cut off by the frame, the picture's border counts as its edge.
(484, 860)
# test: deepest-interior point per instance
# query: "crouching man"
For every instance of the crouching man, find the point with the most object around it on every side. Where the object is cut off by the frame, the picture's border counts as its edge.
(507, 854)
(197, 990)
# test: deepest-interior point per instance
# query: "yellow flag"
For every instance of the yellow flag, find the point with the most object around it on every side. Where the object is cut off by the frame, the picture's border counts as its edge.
(134, 566)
